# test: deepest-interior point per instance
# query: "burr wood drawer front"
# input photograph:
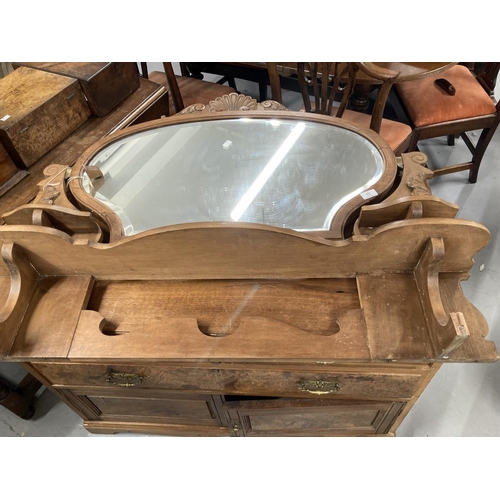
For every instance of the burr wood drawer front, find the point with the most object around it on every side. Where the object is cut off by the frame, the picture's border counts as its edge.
(347, 382)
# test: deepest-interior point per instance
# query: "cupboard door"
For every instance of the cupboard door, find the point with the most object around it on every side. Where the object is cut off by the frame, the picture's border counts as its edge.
(146, 406)
(289, 417)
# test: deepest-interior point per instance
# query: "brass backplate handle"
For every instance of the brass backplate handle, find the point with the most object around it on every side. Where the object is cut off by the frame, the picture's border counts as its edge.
(319, 386)
(125, 379)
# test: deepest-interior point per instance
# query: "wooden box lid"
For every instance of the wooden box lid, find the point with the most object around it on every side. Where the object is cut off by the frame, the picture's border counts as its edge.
(105, 84)
(37, 111)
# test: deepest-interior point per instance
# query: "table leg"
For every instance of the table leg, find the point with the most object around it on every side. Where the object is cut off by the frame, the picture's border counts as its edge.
(20, 399)
(359, 99)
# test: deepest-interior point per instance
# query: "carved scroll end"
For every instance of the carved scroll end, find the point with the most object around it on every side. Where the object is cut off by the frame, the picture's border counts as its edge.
(273, 106)
(194, 108)
(418, 158)
(53, 188)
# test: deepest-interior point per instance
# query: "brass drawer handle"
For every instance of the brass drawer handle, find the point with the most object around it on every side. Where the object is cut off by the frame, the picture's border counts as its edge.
(125, 379)
(319, 386)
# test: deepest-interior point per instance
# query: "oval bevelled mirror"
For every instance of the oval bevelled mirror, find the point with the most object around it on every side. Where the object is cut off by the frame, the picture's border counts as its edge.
(289, 173)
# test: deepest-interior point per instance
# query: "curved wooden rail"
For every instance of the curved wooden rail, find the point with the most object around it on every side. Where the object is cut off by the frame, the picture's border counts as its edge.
(23, 277)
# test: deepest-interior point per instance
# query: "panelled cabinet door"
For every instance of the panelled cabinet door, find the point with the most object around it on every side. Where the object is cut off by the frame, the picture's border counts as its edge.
(296, 417)
(139, 405)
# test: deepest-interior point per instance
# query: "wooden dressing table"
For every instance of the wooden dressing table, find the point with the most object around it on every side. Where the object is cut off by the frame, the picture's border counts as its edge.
(240, 270)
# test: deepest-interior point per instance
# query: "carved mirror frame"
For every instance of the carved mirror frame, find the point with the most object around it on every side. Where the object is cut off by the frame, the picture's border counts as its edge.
(221, 110)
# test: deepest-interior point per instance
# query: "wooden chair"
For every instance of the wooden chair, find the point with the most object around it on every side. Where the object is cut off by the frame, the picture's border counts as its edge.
(184, 90)
(436, 113)
(332, 84)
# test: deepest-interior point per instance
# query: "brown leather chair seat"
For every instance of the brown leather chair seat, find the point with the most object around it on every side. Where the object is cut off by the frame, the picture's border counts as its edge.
(436, 113)
(428, 104)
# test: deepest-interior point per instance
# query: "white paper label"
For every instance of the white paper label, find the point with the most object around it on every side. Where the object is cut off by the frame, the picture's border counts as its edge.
(369, 194)
(6, 117)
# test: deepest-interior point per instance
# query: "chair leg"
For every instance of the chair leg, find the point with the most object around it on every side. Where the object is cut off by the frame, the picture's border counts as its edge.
(481, 146)
(412, 146)
(451, 140)
(263, 90)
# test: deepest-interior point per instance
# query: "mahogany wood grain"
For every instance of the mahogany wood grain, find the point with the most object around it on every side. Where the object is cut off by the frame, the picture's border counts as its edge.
(222, 251)
(103, 427)
(389, 321)
(174, 338)
(264, 378)
(388, 211)
(283, 417)
(219, 306)
(71, 221)
(150, 406)
(244, 329)
(63, 297)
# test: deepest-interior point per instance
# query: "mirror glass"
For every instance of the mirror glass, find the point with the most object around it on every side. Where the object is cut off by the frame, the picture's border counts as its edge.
(285, 173)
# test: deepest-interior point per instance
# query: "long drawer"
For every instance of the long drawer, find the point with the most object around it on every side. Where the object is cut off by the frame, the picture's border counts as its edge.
(333, 382)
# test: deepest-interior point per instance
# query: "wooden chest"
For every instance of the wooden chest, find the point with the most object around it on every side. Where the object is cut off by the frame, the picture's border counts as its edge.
(37, 111)
(105, 84)
(10, 175)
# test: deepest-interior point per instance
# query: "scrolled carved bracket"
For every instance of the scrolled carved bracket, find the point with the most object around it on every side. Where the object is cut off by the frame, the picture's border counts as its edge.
(418, 185)
(53, 188)
(447, 331)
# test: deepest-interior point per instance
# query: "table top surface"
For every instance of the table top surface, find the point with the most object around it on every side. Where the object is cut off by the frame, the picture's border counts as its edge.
(407, 70)
(284, 170)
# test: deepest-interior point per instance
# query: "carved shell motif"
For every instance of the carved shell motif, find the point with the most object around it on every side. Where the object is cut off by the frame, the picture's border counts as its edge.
(233, 102)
